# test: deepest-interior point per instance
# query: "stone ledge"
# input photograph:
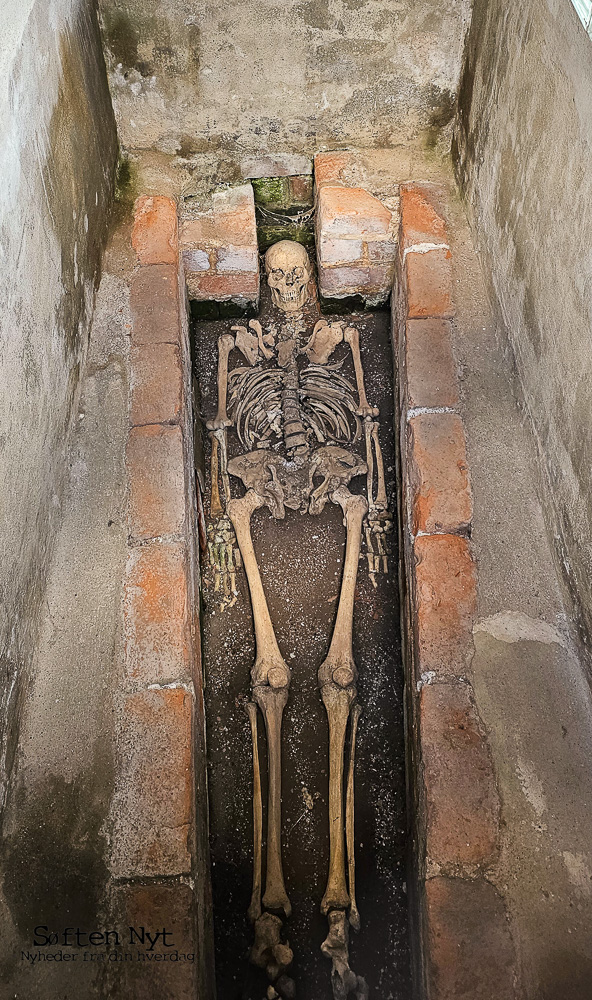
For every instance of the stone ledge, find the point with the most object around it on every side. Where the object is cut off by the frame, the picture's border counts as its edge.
(155, 467)
(156, 615)
(467, 941)
(444, 600)
(467, 950)
(462, 804)
(153, 799)
(438, 488)
(153, 811)
(154, 234)
(156, 383)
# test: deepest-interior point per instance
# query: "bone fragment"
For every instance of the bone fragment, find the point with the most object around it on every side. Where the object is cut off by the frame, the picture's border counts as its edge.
(354, 916)
(216, 509)
(271, 678)
(344, 981)
(339, 664)
(269, 952)
(272, 702)
(247, 344)
(221, 436)
(255, 325)
(352, 337)
(323, 342)
(369, 460)
(337, 675)
(381, 500)
(225, 345)
(254, 910)
(337, 701)
(269, 667)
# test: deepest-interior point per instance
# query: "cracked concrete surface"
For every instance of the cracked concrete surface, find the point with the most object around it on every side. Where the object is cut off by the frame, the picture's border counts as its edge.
(528, 670)
(54, 834)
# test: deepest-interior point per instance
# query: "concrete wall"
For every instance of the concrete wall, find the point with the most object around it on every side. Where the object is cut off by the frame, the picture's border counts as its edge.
(522, 153)
(58, 152)
(190, 77)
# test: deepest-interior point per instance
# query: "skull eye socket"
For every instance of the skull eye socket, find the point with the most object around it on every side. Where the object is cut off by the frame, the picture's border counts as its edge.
(277, 272)
(298, 272)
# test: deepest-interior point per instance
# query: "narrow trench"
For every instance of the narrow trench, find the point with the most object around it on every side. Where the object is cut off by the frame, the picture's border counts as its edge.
(301, 559)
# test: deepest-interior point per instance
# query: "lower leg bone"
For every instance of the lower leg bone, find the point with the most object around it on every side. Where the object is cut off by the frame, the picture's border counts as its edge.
(337, 676)
(254, 910)
(354, 916)
(337, 702)
(270, 683)
(272, 702)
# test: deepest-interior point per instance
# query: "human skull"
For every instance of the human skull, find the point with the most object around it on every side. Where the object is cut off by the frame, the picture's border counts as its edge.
(288, 273)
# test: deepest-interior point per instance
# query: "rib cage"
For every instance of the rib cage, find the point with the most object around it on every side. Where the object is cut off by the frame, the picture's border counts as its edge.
(326, 401)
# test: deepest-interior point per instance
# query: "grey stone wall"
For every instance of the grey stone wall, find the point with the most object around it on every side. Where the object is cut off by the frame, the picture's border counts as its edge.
(191, 77)
(522, 151)
(58, 153)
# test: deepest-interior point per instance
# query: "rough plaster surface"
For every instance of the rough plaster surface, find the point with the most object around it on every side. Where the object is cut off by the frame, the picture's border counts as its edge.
(528, 670)
(55, 832)
(187, 78)
(57, 158)
(523, 152)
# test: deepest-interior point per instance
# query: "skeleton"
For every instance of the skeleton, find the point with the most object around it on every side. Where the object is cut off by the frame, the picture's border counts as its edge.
(298, 429)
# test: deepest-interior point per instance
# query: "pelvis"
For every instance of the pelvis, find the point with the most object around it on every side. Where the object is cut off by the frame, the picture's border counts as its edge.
(282, 483)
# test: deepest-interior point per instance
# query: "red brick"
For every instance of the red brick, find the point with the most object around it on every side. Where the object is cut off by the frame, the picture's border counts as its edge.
(156, 626)
(444, 603)
(223, 286)
(220, 228)
(430, 367)
(301, 190)
(343, 280)
(340, 251)
(157, 490)
(154, 234)
(154, 301)
(350, 211)
(241, 259)
(461, 800)
(380, 278)
(429, 284)
(469, 950)
(382, 251)
(157, 384)
(420, 221)
(329, 167)
(153, 801)
(230, 221)
(154, 907)
(438, 476)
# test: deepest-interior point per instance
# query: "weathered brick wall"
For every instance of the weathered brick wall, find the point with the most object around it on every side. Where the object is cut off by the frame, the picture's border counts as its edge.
(159, 808)
(356, 234)
(462, 937)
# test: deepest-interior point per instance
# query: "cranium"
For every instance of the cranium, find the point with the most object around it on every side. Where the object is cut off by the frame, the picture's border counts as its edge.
(288, 273)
